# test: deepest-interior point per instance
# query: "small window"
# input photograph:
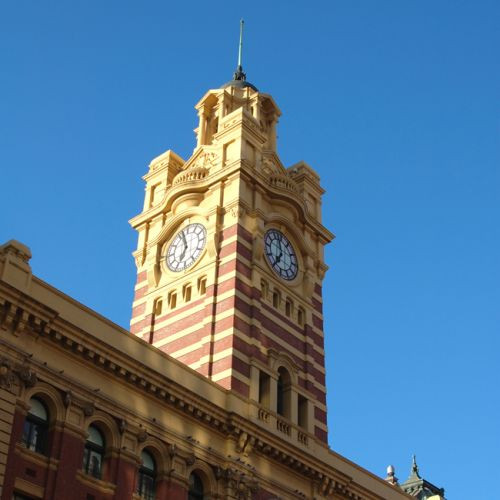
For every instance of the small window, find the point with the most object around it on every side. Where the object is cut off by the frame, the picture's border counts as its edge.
(276, 299)
(202, 285)
(264, 289)
(264, 389)
(288, 307)
(152, 195)
(187, 293)
(172, 300)
(147, 477)
(284, 393)
(196, 490)
(300, 316)
(158, 307)
(302, 411)
(36, 426)
(93, 453)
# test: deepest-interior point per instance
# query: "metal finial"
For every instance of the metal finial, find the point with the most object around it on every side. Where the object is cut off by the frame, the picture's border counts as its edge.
(414, 466)
(239, 74)
(240, 48)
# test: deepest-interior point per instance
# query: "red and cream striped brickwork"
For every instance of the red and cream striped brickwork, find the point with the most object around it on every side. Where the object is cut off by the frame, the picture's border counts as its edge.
(229, 316)
(218, 332)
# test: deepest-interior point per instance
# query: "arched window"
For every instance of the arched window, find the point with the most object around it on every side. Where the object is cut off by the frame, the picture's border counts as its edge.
(147, 477)
(284, 393)
(94, 453)
(195, 487)
(36, 427)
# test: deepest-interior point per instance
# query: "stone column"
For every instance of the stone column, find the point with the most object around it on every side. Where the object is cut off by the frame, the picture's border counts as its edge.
(202, 127)
(294, 406)
(273, 394)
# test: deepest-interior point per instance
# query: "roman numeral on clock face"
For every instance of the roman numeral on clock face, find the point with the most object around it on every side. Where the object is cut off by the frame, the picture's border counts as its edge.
(186, 247)
(280, 254)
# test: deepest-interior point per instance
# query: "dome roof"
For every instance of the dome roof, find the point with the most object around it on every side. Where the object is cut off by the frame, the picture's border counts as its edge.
(239, 80)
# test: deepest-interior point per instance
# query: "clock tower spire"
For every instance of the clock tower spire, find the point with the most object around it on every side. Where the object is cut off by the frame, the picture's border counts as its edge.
(230, 263)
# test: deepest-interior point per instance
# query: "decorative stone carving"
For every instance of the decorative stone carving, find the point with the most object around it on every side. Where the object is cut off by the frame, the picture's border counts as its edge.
(245, 444)
(68, 397)
(7, 376)
(237, 211)
(206, 160)
(190, 459)
(142, 436)
(237, 484)
(27, 376)
(283, 182)
(192, 174)
(122, 425)
(88, 409)
(269, 166)
(172, 450)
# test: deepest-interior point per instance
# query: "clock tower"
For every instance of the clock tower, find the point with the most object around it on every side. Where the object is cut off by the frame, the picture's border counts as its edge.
(230, 263)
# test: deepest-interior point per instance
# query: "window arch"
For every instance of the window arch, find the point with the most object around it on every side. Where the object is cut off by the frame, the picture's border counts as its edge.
(284, 392)
(196, 488)
(147, 477)
(94, 452)
(36, 427)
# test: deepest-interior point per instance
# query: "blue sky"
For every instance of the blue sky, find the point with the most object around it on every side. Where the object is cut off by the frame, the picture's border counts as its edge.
(395, 103)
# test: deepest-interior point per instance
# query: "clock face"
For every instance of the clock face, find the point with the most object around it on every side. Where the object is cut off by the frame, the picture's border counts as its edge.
(280, 254)
(186, 247)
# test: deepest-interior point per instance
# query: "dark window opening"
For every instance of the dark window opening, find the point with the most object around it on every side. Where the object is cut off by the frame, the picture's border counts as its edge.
(147, 477)
(264, 389)
(36, 426)
(93, 453)
(283, 393)
(196, 491)
(302, 412)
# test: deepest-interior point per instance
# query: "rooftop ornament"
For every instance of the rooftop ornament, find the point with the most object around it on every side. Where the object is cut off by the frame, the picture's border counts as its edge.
(239, 77)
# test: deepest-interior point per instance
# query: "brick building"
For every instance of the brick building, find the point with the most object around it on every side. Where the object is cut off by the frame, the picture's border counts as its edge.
(218, 390)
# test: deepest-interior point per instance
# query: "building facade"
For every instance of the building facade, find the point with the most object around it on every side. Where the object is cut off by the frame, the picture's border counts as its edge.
(218, 390)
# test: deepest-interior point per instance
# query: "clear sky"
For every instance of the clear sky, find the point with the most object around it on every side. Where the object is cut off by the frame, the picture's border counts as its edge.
(395, 103)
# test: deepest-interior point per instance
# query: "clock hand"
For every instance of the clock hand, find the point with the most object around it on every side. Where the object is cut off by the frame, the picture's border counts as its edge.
(183, 253)
(280, 246)
(278, 258)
